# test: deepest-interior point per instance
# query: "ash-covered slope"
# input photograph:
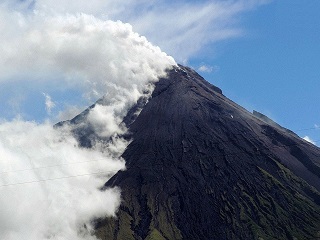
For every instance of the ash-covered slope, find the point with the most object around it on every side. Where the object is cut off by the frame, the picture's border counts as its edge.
(202, 167)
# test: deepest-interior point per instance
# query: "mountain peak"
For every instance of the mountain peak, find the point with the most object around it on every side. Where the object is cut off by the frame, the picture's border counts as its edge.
(201, 167)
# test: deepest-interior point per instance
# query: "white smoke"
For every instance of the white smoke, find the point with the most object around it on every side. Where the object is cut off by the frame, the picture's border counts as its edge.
(49, 187)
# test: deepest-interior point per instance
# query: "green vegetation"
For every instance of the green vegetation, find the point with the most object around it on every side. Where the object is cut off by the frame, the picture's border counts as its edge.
(155, 235)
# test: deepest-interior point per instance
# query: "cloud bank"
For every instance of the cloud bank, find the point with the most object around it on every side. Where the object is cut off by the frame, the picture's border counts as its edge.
(49, 186)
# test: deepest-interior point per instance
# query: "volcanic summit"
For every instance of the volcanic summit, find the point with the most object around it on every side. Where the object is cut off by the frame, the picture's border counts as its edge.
(199, 166)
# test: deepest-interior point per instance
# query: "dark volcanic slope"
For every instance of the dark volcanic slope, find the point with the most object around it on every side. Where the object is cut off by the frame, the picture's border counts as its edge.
(202, 167)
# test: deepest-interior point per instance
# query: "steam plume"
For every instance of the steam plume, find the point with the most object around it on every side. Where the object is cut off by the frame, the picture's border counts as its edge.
(49, 185)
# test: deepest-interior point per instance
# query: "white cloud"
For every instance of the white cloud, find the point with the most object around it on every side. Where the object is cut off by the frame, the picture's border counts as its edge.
(208, 69)
(184, 28)
(55, 209)
(113, 53)
(49, 103)
(308, 139)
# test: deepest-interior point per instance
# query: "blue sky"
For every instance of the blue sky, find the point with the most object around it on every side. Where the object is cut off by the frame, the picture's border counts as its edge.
(263, 54)
(275, 67)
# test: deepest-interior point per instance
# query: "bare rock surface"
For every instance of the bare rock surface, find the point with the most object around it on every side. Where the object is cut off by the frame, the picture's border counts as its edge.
(201, 167)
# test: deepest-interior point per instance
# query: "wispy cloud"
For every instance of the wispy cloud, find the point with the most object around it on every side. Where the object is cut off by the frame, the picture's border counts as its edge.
(49, 103)
(208, 69)
(183, 28)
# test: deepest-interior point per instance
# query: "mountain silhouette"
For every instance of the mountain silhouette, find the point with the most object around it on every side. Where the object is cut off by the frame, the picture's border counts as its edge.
(202, 167)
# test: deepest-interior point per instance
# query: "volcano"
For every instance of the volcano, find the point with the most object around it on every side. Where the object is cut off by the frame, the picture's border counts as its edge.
(199, 166)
